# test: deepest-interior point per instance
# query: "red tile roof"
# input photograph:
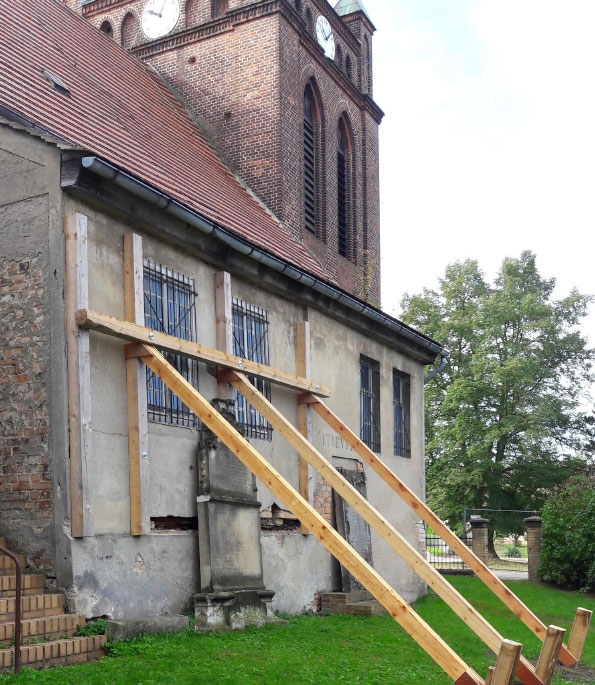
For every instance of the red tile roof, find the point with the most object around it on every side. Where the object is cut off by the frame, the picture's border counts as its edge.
(118, 109)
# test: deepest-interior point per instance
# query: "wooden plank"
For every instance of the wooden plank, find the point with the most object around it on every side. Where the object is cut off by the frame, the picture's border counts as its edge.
(224, 323)
(578, 634)
(136, 389)
(490, 676)
(419, 630)
(482, 628)
(546, 664)
(426, 514)
(507, 663)
(76, 296)
(304, 422)
(126, 330)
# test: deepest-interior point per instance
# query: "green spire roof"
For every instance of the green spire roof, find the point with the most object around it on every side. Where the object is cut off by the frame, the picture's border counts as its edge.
(344, 7)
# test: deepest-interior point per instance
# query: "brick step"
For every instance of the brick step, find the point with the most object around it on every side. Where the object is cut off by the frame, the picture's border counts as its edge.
(7, 565)
(33, 606)
(30, 585)
(346, 597)
(51, 627)
(73, 650)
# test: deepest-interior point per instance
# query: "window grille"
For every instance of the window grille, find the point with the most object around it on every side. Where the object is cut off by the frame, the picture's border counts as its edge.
(402, 413)
(251, 341)
(370, 403)
(342, 192)
(309, 161)
(170, 308)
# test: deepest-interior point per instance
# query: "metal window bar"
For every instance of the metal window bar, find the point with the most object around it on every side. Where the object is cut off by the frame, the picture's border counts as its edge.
(370, 403)
(170, 307)
(251, 341)
(402, 413)
(342, 194)
(309, 162)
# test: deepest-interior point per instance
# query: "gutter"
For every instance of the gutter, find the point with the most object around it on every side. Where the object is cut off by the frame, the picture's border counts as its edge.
(194, 219)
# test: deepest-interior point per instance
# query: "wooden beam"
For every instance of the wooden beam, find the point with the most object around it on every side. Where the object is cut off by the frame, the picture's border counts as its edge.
(504, 672)
(482, 628)
(85, 318)
(578, 634)
(304, 421)
(224, 323)
(76, 296)
(550, 651)
(136, 387)
(419, 630)
(428, 516)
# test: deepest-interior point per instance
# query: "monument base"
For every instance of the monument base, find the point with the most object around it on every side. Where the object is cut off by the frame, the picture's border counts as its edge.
(220, 611)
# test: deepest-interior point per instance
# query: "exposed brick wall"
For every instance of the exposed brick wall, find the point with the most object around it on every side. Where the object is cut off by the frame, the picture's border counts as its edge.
(26, 474)
(322, 499)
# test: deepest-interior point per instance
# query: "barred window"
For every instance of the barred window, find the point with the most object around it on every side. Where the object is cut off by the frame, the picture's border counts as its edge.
(402, 413)
(170, 308)
(370, 403)
(310, 161)
(251, 341)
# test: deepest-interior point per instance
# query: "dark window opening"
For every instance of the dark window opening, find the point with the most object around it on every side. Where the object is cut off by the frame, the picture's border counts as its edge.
(129, 30)
(349, 67)
(309, 20)
(370, 403)
(106, 28)
(170, 308)
(310, 161)
(402, 413)
(174, 523)
(251, 341)
(219, 8)
(342, 194)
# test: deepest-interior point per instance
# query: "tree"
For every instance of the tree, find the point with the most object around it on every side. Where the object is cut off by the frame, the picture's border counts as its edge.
(503, 421)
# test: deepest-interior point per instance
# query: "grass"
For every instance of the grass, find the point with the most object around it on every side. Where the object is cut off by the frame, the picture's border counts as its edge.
(330, 649)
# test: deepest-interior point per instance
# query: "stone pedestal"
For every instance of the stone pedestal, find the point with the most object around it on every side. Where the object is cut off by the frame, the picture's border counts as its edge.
(232, 588)
(534, 534)
(479, 541)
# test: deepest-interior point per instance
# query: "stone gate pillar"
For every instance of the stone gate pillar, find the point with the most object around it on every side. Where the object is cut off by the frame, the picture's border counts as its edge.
(534, 533)
(479, 541)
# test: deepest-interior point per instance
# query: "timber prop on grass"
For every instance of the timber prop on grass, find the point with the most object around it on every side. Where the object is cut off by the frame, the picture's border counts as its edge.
(144, 344)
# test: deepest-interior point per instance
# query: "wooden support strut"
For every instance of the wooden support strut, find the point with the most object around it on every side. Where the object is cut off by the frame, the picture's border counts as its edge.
(466, 612)
(86, 318)
(419, 630)
(428, 516)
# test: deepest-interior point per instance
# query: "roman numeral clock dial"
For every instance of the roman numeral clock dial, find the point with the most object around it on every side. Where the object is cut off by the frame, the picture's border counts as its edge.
(325, 36)
(160, 17)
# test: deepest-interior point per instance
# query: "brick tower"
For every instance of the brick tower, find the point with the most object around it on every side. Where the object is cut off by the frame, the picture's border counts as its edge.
(284, 89)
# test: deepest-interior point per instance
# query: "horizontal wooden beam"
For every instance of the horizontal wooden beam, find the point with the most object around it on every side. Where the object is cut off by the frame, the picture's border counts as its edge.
(461, 607)
(126, 330)
(441, 529)
(398, 608)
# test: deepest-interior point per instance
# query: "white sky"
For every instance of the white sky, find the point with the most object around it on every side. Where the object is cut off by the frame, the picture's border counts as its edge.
(488, 145)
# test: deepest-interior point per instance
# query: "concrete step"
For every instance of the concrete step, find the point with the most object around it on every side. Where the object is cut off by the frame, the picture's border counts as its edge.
(49, 627)
(73, 650)
(32, 606)
(30, 585)
(7, 565)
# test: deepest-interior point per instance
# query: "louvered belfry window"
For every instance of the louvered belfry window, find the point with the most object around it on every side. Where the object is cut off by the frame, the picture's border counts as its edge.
(310, 161)
(342, 182)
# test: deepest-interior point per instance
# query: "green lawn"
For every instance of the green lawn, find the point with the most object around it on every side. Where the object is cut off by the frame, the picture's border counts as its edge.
(330, 649)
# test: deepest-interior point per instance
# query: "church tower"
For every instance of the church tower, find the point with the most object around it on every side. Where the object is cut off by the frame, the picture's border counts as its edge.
(284, 89)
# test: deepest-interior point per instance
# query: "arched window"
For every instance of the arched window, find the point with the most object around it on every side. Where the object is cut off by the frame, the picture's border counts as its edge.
(344, 190)
(106, 28)
(349, 67)
(193, 13)
(339, 56)
(219, 8)
(367, 67)
(309, 20)
(129, 30)
(311, 159)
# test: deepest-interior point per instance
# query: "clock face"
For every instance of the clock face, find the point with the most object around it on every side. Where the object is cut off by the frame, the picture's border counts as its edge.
(325, 36)
(160, 17)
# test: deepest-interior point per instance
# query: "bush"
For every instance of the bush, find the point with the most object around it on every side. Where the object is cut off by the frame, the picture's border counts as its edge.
(568, 548)
(512, 551)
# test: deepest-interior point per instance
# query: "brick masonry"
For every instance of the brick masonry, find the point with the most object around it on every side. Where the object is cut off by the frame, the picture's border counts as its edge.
(243, 75)
(26, 474)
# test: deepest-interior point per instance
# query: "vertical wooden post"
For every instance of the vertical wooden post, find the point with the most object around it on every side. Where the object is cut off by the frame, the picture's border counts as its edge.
(548, 657)
(224, 324)
(507, 663)
(76, 296)
(136, 386)
(304, 418)
(578, 634)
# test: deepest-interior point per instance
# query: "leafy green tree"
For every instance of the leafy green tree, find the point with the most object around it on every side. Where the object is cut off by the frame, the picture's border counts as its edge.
(504, 421)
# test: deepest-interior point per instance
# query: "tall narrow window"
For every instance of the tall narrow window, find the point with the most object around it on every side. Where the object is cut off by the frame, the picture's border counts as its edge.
(129, 30)
(402, 413)
(310, 161)
(370, 403)
(342, 195)
(170, 308)
(219, 8)
(251, 341)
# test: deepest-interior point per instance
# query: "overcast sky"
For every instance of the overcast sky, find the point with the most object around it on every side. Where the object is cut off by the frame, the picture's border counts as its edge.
(488, 144)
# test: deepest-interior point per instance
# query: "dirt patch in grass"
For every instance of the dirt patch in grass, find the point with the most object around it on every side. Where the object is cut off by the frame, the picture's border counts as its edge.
(577, 674)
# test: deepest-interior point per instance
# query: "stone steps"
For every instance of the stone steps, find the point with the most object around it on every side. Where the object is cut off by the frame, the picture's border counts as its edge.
(354, 603)
(32, 606)
(51, 627)
(30, 585)
(74, 650)
(7, 565)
